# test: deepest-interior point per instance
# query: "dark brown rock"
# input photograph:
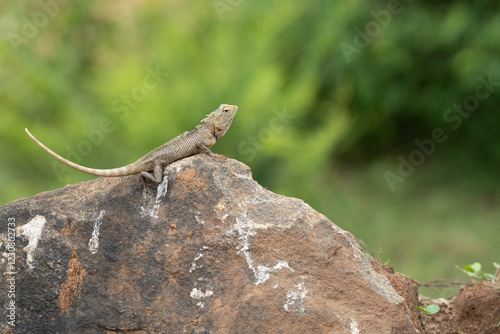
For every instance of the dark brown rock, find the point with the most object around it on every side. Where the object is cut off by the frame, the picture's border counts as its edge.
(474, 309)
(207, 251)
(478, 308)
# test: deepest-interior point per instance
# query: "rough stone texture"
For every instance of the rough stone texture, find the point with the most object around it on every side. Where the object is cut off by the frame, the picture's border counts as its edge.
(478, 307)
(207, 251)
(405, 286)
(474, 309)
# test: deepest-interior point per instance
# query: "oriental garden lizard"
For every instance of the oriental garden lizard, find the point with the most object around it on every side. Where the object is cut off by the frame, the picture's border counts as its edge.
(199, 140)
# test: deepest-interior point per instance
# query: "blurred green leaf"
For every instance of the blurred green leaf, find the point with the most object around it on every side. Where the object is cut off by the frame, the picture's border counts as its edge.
(473, 268)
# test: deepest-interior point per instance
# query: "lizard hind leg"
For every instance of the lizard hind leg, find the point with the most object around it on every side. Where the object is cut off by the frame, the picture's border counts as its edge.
(148, 176)
(158, 174)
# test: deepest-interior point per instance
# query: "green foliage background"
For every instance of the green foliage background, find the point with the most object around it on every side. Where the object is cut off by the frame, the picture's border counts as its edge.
(314, 121)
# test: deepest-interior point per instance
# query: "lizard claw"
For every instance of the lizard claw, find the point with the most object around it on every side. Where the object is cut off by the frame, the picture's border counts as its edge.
(219, 156)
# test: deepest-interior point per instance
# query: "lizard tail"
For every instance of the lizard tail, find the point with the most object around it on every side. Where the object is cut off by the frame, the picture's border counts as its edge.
(126, 170)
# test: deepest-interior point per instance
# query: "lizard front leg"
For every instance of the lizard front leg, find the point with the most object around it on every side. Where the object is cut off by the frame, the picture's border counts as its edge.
(158, 173)
(205, 149)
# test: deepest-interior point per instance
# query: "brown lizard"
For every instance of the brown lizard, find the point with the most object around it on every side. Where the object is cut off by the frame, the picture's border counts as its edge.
(199, 140)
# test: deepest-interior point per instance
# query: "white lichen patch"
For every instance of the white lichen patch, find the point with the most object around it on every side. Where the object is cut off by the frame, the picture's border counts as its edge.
(33, 231)
(193, 264)
(263, 273)
(198, 218)
(246, 228)
(354, 326)
(199, 295)
(242, 226)
(295, 299)
(243, 176)
(160, 193)
(94, 240)
(198, 256)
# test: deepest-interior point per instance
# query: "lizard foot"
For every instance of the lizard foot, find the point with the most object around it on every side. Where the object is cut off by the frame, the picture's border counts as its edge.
(148, 176)
(219, 156)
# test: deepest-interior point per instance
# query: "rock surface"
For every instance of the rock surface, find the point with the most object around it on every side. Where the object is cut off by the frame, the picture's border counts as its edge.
(474, 309)
(207, 251)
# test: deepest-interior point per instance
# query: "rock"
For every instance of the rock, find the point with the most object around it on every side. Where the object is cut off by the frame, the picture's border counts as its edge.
(478, 308)
(474, 309)
(405, 286)
(207, 251)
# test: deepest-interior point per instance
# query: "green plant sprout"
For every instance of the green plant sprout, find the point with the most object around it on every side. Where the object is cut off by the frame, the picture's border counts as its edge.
(474, 271)
(428, 310)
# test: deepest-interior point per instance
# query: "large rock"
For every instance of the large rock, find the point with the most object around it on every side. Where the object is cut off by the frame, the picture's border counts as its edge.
(207, 251)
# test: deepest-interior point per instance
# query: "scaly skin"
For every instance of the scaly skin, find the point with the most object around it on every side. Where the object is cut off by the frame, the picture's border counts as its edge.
(199, 140)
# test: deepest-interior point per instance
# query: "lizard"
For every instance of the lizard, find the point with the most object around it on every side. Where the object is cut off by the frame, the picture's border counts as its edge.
(198, 140)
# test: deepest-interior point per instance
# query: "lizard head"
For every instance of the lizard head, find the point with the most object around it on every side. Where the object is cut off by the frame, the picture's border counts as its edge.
(222, 118)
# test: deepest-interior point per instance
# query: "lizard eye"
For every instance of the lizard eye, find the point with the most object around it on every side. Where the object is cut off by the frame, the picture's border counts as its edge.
(226, 110)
